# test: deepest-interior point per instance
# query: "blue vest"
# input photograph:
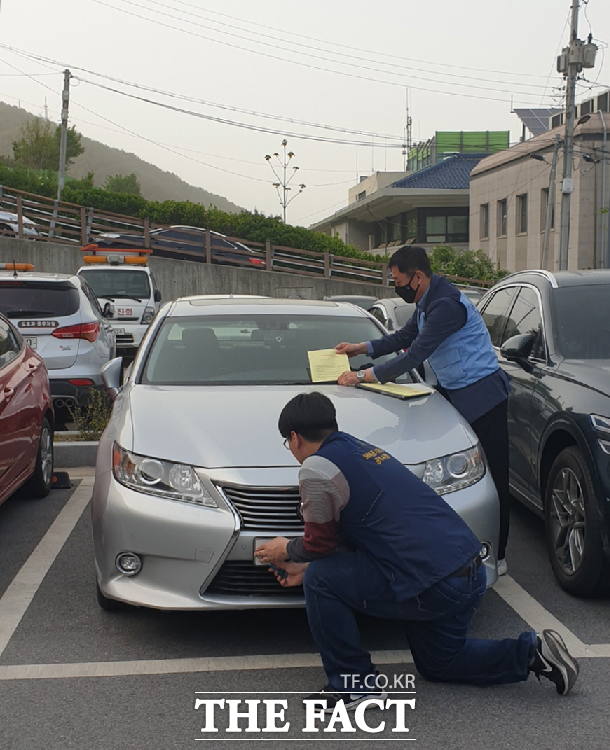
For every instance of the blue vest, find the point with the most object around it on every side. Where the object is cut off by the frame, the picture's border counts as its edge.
(395, 521)
(467, 355)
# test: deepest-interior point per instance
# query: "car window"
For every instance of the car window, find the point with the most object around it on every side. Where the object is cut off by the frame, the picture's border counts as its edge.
(379, 313)
(495, 313)
(38, 299)
(9, 344)
(256, 349)
(525, 317)
(108, 283)
(579, 316)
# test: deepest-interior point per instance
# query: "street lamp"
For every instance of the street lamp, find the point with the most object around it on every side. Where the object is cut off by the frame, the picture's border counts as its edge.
(283, 182)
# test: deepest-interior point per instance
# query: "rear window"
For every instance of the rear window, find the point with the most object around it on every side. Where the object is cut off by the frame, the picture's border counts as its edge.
(38, 299)
(258, 349)
(121, 284)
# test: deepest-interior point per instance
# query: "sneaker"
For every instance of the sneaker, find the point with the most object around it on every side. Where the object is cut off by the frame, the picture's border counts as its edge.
(502, 567)
(553, 661)
(351, 700)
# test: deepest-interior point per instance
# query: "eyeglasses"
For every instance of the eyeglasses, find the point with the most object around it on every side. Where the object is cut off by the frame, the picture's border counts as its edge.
(286, 443)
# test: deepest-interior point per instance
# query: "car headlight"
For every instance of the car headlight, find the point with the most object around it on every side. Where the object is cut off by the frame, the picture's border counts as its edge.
(454, 472)
(166, 479)
(149, 314)
(600, 423)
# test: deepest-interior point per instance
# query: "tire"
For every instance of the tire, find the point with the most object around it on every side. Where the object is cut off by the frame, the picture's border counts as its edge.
(108, 605)
(40, 483)
(573, 536)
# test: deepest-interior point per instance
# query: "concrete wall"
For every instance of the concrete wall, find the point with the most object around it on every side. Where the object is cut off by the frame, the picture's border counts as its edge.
(178, 278)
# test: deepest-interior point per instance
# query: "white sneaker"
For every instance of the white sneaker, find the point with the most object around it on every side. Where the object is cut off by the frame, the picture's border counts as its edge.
(502, 567)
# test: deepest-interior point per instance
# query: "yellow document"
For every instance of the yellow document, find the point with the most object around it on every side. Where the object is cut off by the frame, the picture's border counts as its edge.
(326, 365)
(399, 391)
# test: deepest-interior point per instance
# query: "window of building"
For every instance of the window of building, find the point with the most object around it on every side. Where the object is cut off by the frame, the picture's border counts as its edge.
(502, 217)
(361, 196)
(436, 229)
(522, 213)
(445, 228)
(544, 201)
(484, 219)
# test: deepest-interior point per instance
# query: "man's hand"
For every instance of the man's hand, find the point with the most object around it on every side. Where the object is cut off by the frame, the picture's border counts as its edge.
(351, 378)
(273, 551)
(295, 571)
(352, 350)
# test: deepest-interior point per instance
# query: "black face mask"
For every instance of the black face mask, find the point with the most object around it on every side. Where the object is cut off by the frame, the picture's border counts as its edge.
(406, 292)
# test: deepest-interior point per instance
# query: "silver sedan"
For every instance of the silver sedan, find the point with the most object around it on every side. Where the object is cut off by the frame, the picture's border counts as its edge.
(191, 472)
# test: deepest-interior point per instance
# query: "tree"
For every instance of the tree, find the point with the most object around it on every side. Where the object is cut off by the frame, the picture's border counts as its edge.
(38, 147)
(120, 184)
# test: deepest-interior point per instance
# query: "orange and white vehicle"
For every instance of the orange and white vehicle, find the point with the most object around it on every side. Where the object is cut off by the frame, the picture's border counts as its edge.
(123, 284)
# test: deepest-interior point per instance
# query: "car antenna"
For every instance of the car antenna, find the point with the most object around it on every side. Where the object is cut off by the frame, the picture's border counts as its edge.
(15, 276)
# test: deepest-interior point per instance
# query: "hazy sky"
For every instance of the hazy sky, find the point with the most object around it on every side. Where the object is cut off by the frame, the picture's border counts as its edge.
(324, 62)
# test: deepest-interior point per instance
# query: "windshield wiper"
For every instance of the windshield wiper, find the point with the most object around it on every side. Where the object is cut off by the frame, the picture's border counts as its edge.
(125, 296)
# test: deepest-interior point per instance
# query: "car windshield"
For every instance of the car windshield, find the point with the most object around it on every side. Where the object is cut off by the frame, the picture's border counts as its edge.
(574, 310)
(118, 283)
(37, 299)
(253, 349)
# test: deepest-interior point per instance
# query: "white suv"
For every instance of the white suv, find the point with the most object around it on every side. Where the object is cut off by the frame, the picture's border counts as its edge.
(130, 288)
(60, 318)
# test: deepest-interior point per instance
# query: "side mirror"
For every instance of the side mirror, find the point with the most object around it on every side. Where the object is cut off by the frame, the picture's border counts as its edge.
(111, 377)
(518, 349)
(108, 310)
(157, 295)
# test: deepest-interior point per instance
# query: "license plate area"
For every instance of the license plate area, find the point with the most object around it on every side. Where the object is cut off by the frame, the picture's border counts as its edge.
(257, 543)
(32, 342)
(119, 331)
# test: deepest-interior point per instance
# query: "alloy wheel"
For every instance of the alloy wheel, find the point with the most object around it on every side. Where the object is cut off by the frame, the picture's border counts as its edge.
(568, 520)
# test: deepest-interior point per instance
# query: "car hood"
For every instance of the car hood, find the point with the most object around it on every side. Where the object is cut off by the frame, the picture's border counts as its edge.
(236, 426)
(592, 373)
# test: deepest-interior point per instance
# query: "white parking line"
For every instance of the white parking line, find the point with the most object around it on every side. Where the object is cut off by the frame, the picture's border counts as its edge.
(180, 666)
(19, 594)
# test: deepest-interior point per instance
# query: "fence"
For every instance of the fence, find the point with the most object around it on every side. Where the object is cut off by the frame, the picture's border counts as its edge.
(42, 219)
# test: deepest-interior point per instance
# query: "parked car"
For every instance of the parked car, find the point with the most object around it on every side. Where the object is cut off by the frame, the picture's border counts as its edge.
(60, 318)
(192, 473)
(190, 241)
(552, 337)
(130, 288)
(9, 226)
(474, 294)
(361, 300)
(26, 417)
(392, 312)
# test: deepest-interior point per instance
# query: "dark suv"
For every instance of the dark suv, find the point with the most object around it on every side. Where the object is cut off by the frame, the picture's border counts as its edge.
(552, 336)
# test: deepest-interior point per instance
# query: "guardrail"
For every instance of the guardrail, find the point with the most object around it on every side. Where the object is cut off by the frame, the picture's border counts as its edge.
(35, 217)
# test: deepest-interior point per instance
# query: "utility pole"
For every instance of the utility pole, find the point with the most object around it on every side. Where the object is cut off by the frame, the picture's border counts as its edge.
(283, 183)
(576, 56)
(63, 143)
(550, 207)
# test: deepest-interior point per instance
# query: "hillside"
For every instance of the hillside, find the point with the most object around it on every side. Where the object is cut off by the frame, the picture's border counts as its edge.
(105, 161)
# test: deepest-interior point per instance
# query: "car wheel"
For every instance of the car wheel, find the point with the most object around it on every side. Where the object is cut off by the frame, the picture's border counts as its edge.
(574, 541)
(108, 605)
(40, 483)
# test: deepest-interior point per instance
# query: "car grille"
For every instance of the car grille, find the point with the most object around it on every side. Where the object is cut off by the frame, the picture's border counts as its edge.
(123, 339)
(266, 509)
(243, 578)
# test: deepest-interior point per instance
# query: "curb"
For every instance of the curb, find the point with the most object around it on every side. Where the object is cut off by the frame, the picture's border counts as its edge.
(71, 454)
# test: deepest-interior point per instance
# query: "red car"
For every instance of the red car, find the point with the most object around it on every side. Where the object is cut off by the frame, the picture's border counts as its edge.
(26, 418)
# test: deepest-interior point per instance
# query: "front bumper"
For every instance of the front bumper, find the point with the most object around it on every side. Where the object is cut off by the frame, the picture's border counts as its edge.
(185, 548)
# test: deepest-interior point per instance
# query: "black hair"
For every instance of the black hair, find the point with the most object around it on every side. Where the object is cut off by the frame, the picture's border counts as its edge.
(410, 258)
(310, 415)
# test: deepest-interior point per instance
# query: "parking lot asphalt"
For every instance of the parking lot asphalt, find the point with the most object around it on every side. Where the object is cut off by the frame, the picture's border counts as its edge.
(74, 676)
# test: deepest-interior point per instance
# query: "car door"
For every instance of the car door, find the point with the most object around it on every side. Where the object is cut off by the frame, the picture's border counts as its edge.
(525, 317)
(16, 407)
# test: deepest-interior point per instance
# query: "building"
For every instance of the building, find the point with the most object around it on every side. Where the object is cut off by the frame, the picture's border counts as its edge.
(509, 193)
(428, 205)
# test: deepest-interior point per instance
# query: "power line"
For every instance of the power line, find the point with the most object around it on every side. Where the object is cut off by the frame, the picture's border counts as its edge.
(317, 67)
(317, 49)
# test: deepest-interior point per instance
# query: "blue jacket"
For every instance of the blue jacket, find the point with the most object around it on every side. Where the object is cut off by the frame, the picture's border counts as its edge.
(395, 521)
